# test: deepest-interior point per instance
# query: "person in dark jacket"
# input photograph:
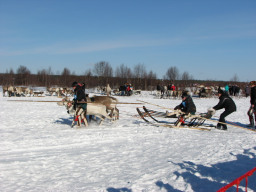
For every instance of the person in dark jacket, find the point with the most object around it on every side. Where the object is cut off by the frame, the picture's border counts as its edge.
(187, 105)
(247, 91)
(79, 100)
(79, 95)
(188, 108)
(252, 109)
(228, 104)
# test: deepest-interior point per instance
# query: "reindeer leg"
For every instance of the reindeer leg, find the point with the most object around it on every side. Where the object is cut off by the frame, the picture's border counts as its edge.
(101, 119)
(80, 111)
(111, 113)
(73, 122)
(117, 111)
(84, 118)
(79, 123)
(86, 122)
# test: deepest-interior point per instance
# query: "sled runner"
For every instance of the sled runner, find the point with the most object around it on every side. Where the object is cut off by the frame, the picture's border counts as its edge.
(195, 121)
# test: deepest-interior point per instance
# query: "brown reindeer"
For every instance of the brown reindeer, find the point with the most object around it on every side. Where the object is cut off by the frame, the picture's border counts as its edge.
(109, 102)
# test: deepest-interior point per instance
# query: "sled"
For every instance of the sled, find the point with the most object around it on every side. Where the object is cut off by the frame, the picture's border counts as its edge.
(201, 117)
(195, 121)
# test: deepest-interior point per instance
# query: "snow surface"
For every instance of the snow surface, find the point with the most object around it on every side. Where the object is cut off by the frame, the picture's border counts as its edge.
(41, 152)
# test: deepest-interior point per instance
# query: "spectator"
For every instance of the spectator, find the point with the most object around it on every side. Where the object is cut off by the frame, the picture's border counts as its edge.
(252, 109)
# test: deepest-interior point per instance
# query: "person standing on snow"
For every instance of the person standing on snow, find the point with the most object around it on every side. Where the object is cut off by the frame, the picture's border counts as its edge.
(172, 89)
(227, 88)
(79, 100)
(247, 90)
(228, 104)
(252, 109)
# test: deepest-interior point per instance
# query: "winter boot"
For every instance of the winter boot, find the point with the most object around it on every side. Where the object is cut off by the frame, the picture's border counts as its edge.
(218, 126)
(224, 127)
(221, 126)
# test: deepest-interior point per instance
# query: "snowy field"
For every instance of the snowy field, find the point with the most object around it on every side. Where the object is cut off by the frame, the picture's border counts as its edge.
(41, 152)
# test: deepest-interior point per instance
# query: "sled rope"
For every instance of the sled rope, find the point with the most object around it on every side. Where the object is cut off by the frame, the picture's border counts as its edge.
(156, 105)
(77, 102)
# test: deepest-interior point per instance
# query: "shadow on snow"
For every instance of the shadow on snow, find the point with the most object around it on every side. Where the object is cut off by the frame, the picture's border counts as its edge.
(198, 175)
(64, 121)
(111, 189)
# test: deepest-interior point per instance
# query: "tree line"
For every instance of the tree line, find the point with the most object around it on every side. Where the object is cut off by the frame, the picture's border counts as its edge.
(102, 74)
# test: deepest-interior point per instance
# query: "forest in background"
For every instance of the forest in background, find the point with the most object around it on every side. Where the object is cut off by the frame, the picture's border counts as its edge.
(103, 74)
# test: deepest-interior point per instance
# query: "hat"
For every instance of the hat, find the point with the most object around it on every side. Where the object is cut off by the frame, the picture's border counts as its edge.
(184, 94)
(220, 91)
(74, 84)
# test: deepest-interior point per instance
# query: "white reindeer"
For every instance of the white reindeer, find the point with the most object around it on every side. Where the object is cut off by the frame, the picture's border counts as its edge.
(97, 109)
(9, 90)
(109, 102)
(108, 90)
(110, 111)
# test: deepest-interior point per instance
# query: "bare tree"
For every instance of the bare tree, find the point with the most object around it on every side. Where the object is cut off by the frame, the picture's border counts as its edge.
(123, 72)
(88, 73)
(49, 76)
(151, 78)
(23, 70)
(9, 78)
(172, 74)
(23, 74)
(152, 75)
(65, 77)
(42, 77)
(103, 69)
(139, 71)
(11, 71)
(185, 77)
(234, 78)
(65, 72)
(87, 76)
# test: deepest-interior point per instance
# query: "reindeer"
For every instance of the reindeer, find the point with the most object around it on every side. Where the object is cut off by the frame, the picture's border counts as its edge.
(109, 102)
(10, 90)
(64, 102)
(97, 109)
(94, 105)
(108, 90)
(55, 90)
(21, 91)
(5, 90)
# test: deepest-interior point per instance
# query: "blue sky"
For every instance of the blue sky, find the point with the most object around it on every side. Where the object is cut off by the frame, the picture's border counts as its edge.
(211, 40)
